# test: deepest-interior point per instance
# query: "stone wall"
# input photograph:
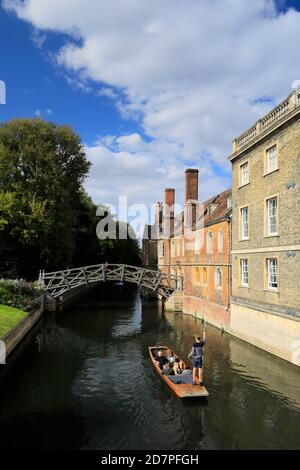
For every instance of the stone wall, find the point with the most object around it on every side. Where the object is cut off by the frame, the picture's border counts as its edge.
(212, 313)
(283, 183)
(18, 333)
(277, 334)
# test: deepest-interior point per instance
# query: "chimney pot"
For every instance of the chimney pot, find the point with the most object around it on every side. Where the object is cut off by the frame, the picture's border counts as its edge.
(169, 212)
(191, 184)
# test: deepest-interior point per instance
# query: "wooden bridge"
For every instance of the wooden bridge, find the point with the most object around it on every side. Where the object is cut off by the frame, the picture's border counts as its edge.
(59, 282)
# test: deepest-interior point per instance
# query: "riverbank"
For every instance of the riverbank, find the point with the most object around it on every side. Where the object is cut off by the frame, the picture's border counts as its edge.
(15, 324)
(9, 318)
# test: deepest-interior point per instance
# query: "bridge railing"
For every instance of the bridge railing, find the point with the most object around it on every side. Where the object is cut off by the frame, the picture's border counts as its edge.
(56, 283)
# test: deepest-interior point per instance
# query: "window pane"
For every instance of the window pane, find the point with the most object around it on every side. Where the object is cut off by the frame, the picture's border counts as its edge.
(272, 215)
(272, 159)
(220, 241)
(218, 279)
(245, 173)
(244, 272)
(204, 276)
(245, 223)
(272, 273)
(209, 242)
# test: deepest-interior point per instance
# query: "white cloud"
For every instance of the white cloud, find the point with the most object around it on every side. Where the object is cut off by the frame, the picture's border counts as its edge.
(129, 166)
(38, 39)
(40, 113)
(193, 74)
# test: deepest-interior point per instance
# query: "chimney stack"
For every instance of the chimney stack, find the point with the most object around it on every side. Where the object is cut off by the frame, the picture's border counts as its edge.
(191, 185)
(169, 212)
(191, 197)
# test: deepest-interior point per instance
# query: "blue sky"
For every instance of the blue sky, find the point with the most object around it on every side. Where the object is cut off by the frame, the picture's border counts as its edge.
(151, 90)
(35, 83)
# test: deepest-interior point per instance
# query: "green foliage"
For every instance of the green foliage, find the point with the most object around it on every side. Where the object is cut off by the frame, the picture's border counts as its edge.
(42, 168)
(18, 294)
(121, 250)
(87, 249)
(47, 221)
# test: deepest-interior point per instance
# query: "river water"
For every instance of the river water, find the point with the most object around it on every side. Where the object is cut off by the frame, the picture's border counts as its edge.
(83, 380)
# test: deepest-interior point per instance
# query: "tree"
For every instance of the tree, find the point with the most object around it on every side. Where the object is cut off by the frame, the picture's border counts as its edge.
(42, 168)
(87, 248)
(123, 247)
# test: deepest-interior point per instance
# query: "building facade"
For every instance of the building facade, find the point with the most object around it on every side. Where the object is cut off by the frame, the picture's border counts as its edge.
(195, 246)
(236, 256)
(265, 303)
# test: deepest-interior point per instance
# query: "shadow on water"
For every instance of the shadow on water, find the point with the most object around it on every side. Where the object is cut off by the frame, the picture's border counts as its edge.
(83, 380)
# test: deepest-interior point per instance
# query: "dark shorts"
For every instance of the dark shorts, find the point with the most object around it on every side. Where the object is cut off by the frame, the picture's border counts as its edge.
(197, 363)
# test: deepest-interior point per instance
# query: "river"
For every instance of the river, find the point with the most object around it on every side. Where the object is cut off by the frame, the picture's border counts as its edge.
(83, 380)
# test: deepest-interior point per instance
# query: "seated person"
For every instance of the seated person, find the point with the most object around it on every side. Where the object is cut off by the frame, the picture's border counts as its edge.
(186, 370)
(175, 362)
(172, 357)
(167, 369)
(161, 360)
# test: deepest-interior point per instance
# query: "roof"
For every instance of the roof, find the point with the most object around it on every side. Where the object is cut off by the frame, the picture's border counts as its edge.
(221, 212)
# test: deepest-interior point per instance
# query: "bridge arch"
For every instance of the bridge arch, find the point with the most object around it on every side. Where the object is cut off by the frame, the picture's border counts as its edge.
(58, 283)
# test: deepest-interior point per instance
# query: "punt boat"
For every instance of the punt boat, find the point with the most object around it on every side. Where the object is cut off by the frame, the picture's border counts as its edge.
(181, 385)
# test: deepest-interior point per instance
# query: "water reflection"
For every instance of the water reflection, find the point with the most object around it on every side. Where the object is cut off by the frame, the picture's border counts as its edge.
(85, 380)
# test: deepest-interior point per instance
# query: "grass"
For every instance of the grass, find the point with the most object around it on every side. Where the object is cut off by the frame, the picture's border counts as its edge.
(9, 317)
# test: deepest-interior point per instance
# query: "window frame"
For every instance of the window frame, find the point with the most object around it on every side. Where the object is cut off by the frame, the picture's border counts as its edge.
(197, 275)
(267, 170)
(242, 182)
(211, 235)
(267, 223)
(173, 248)
(204, 270)
(220, 232)
(197, 242)
(242, 283)
(242, 238)
(161, 247)
(268, 286)
(218, 270)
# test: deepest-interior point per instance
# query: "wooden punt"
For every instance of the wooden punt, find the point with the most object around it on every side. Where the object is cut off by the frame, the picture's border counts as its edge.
(181, 385)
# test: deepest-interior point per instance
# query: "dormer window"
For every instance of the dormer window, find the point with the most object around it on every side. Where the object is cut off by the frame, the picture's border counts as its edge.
(229, 202)
(211, 208)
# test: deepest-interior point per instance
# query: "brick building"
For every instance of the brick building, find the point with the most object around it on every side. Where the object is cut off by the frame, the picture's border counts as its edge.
(256, 228)
(195, 246)
(265, 305)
